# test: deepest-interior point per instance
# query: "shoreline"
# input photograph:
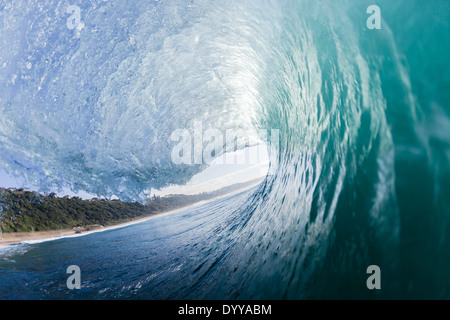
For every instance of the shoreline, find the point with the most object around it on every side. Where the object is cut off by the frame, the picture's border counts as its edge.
(7, 239)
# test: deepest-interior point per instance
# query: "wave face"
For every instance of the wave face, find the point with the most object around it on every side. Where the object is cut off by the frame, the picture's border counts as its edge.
(361, 176)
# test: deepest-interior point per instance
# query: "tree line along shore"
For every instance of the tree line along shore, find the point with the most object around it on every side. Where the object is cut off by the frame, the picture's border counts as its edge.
(27, 211)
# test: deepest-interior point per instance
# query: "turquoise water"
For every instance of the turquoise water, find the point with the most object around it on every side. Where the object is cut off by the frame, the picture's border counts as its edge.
(361, 176)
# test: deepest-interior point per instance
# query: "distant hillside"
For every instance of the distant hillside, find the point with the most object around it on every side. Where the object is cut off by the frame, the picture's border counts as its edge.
(26, 211)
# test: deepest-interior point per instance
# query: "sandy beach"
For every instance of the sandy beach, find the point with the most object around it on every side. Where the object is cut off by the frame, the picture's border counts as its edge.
(20, 237)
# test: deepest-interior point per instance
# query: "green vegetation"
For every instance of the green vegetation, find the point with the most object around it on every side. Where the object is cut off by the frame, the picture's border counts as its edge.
(25, 211)
(29, 211)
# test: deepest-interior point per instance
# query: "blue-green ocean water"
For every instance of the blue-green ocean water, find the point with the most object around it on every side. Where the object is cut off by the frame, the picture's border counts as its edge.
(361, 176)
